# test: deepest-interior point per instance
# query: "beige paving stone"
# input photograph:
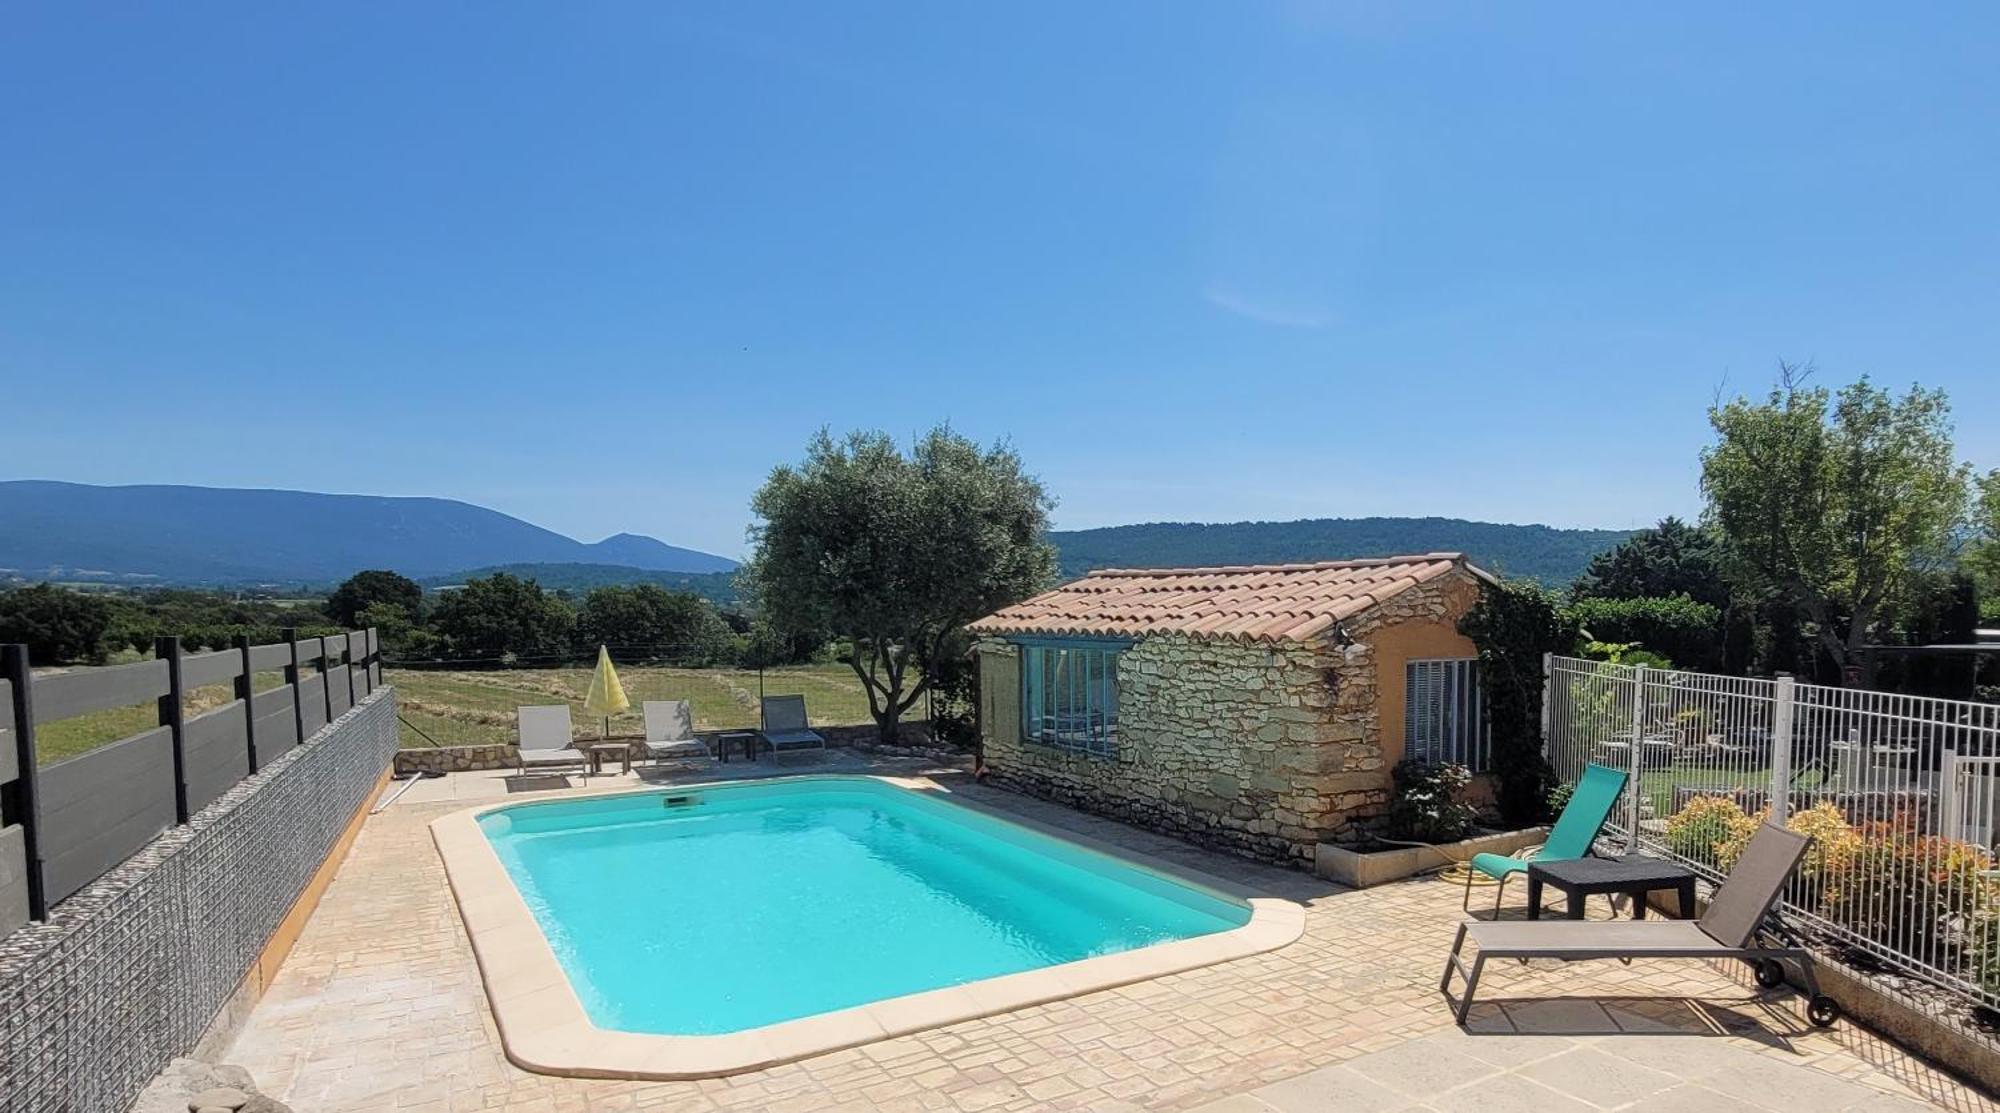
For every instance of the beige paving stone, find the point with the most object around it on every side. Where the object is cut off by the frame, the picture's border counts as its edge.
(1593, 1076)
(381, 1006)
(1342, 1088)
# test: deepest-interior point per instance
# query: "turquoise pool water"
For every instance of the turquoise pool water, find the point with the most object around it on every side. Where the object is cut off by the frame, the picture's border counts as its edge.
(756, 903)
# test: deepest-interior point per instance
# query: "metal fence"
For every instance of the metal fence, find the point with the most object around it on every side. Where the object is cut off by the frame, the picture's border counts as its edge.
(1901, 794)
(65, 823)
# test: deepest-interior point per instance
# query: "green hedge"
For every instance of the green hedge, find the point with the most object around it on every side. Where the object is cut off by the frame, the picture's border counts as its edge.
(1676, 627)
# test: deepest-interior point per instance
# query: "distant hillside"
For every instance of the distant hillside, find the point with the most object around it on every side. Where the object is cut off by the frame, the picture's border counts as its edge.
(1552, 556)
(210, 535)
(717, 587)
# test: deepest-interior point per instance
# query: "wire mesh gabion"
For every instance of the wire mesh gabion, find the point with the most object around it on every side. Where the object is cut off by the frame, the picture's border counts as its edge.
(132, 969)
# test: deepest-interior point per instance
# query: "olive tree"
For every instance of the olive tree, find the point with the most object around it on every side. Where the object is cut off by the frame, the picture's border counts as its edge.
(896, 552)
(1835, 502)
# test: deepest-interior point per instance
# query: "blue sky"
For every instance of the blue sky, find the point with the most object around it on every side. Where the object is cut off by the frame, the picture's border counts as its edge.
(603, 265)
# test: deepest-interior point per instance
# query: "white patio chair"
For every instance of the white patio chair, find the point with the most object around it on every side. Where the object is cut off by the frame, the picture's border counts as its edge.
(670, 731)
(546, 741)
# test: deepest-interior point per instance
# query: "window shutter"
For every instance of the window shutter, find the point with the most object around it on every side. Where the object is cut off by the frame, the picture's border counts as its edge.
(1000, 696)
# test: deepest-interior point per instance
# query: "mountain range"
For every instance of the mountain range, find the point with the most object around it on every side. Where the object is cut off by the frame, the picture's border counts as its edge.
(227, 536)
(1552, 556)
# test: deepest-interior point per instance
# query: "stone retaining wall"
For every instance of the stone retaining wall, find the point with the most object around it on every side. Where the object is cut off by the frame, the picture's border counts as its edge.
(1267, 750)
(132, 970)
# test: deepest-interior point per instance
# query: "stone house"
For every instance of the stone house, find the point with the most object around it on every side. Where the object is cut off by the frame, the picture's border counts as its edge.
(1257, 708)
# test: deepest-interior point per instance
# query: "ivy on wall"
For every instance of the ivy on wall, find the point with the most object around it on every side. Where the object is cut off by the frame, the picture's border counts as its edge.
(1513, 625)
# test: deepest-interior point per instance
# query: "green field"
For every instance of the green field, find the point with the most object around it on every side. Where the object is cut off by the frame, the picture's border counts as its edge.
(464, 708)
(57, 741)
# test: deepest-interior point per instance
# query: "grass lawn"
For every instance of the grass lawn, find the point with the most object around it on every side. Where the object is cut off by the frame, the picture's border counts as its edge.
(1658, 784)
(477, 708)
(66, 738)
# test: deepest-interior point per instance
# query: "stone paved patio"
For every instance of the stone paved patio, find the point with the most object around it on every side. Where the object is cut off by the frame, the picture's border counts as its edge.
(380, 1007)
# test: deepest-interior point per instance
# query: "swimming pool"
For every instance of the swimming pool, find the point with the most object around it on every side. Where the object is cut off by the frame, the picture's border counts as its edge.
(740, 918)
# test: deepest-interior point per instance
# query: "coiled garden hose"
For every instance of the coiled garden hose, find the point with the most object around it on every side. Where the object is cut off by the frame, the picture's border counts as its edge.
(1456, 870)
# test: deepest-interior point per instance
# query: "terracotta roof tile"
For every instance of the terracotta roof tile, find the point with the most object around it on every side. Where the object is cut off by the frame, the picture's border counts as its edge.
(1257, 603)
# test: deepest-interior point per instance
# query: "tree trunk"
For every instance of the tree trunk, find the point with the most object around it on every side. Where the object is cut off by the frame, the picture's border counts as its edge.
(886, 721)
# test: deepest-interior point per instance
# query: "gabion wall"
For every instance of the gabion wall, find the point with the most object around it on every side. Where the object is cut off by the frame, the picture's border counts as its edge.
(130, 971)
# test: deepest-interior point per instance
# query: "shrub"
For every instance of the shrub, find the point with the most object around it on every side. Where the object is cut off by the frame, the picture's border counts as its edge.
(1559, 797)
(1828, 863)
(1675, 627)
(1428, 802)
(1927, 896)
(1702, 829)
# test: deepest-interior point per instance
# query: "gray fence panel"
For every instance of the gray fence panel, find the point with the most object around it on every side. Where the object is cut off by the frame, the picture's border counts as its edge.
(336, 645)
(312, 693)
(266, 658)
(338, 690)
(10, 763)
(69, 694)
(277, 729)
(202, 669)
(97, 809)
(215, 753)
(308, 650)
(13, 878)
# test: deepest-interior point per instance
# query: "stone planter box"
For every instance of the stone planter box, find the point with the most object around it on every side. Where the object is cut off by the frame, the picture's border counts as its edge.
(1361, 869)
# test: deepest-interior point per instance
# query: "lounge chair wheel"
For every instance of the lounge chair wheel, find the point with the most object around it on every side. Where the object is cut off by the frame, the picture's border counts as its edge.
(1770, 973)
(1823, 1011)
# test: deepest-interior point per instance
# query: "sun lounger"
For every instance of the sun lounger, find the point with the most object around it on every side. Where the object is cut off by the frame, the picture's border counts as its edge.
(1575, 830)
(546, 739)
(1733, 927)
(670, 731)
(785, 726)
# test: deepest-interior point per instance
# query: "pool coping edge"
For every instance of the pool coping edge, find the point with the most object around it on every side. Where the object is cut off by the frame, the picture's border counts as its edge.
(544, 1028)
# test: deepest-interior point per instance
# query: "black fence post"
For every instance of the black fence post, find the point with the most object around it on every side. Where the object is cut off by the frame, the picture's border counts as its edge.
(173, 716)
(26, 800)
(246, 690)
(325, 678)
(291, 636)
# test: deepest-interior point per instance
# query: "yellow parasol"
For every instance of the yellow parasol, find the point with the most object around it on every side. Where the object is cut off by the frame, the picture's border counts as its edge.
(607, 696)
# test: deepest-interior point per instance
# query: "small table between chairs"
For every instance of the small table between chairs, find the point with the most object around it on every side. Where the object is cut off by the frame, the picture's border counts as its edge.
(747, 739)
(598, 751)
(1633, 875)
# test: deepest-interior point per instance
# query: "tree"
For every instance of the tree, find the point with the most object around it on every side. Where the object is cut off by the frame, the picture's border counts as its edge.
(1833, 502)
(366, 589)
(895, 552)
(1672, 558)
(56, 624)
(500, 616)
(653, 620)
(1983, 559)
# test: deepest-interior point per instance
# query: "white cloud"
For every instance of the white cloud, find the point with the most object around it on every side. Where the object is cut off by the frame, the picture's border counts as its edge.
(1265, 311)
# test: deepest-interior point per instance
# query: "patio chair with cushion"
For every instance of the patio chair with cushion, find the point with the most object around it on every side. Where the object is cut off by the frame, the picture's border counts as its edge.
(546, 741)
(785, 726)
(1733, 927)
(670, 731)
(1575, 830)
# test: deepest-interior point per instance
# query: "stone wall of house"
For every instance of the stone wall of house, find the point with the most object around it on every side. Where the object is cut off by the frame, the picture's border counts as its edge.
(1267, 750)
